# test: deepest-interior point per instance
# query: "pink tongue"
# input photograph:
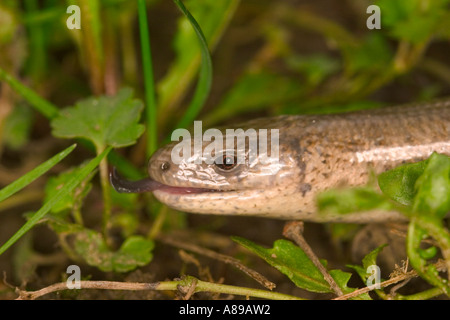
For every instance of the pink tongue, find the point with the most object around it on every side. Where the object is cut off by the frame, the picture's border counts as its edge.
(122, 185)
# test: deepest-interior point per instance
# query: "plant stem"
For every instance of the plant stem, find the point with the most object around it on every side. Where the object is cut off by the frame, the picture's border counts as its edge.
(150, 95)
(201, 286)
(157, 224)
(37, 62)
(104, 182)
(184, 285)
(92, 43)
(424, 295)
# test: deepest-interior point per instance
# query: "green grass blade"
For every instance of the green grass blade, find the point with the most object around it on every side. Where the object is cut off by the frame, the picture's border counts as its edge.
(149, 84)
(214, 18)
(26, 179)
(37, 62)
(68, 187)
(41, 105)
(205, 77)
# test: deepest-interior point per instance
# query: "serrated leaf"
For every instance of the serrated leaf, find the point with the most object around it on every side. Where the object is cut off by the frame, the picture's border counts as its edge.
(106, 120)
(290, 260)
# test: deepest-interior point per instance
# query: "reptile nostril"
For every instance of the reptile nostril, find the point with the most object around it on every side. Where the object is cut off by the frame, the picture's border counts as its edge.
(165, 166)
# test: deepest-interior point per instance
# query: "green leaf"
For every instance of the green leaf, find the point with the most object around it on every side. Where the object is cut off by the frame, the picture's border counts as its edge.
(413, 20)
(134, 252)
(369, 260)
(425, 185)
(68, 187)
(341, 278)
(28, 178)
(51, 111)
(67, 201)
(427, 253)
(433, 188)
(369, 54)
(399, 183)
(295, 264)
(351, 200)
(106, 120)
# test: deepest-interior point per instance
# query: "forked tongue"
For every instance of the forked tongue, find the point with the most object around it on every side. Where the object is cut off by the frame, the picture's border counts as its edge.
(122, 185)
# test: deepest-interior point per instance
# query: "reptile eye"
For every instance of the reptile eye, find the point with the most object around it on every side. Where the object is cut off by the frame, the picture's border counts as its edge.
(226, 162)
(165, 166)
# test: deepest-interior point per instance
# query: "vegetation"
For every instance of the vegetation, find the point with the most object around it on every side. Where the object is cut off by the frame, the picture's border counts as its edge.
(74, 102)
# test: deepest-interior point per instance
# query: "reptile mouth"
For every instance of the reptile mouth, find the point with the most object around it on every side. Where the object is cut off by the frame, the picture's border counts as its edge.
(123, 185)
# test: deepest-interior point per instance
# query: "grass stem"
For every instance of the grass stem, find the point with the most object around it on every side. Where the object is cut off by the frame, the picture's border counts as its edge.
(149, 85)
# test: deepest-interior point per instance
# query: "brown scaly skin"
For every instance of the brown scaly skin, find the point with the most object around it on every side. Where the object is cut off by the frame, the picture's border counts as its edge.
(316, 153)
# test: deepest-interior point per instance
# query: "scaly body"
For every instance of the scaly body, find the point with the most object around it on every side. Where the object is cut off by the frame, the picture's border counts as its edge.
(316, 153)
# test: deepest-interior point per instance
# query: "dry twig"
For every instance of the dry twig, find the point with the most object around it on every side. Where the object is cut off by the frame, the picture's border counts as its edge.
(221, 257)
(440, 265)
(294, 231)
